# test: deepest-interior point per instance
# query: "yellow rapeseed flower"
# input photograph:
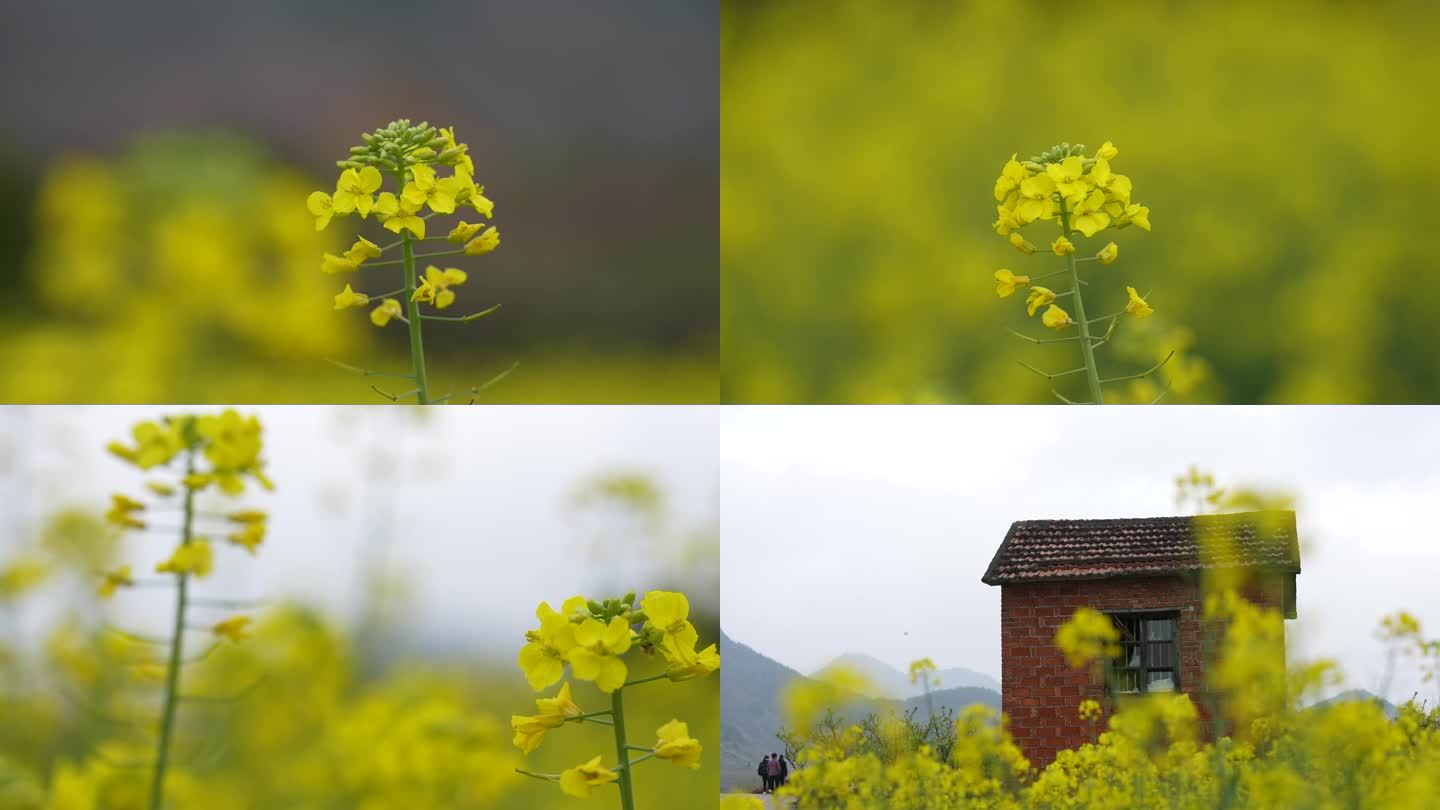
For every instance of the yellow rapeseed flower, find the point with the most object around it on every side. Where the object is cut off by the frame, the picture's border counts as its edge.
(1107, 151)
(1007, 282)
(1039, 297)
(348, 298)
(381, 315)
(582, 780)
(1061, 246)
(464, 231)
(322, 205)
(400, 214)
(675, 744)
(122, 512)
(194, 557)
(688, 664)
(436, 286)
(119, 578)
(1056, 318)
(484, 243)
(354, 189)
(554, 712)
(669, 612)
(1021, 244)
(235, 628)
(547, 648)
(250, 537)
(1137, 305)
(597, 651)
(1108, 253)
(333, 264)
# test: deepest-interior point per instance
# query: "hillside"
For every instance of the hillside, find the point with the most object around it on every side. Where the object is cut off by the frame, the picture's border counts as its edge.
(750, 688)
(894, 684)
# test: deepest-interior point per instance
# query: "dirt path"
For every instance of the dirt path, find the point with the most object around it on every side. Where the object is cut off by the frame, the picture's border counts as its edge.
(770, 801)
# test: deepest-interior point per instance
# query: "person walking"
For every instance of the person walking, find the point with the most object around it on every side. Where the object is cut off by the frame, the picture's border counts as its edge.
(784, 772)
(764, 772)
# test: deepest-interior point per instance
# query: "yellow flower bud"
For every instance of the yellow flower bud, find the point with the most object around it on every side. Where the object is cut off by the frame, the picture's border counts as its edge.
(1108, 253)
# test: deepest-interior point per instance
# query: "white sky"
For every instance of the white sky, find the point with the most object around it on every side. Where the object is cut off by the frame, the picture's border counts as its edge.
(477, 499)
(867, 529)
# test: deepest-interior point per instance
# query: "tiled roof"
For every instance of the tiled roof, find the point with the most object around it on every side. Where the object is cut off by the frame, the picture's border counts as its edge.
(1040, 550)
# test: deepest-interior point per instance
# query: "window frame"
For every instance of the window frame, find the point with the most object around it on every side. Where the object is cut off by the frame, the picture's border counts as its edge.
(1141, 617)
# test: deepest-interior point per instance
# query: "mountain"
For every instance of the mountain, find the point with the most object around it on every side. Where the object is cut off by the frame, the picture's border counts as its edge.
(1350, 695)
(750, 715)
(956, 699)
(893, 684)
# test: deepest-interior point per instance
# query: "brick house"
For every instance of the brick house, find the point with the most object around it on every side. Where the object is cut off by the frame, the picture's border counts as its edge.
(1146, 574)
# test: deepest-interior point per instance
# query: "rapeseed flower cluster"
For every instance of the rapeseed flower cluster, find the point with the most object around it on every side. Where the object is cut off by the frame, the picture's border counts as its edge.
(186, 457)
(1263, 748)
(593, 639)
(412, 157)
(1081, 196)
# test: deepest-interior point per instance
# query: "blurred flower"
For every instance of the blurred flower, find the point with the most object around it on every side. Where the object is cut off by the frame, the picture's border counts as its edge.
(236, 629)
(1108, 253)
(119, 578)
(194, 557)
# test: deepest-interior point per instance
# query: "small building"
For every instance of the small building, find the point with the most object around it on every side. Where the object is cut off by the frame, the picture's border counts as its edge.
(1147, 575)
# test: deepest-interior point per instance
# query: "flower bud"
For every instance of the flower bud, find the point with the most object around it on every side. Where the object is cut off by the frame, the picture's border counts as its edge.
(359, 150)
(639, 617)
(595, 607)
(450, 155)
(367, 137)
(424, 153)
(629, 598)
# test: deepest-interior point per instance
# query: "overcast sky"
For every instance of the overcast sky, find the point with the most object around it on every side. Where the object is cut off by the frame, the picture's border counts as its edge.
(866, 529)
(476, 503)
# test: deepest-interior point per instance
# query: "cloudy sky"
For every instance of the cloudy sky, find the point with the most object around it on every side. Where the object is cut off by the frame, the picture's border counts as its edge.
(866, 529)
(474, 503)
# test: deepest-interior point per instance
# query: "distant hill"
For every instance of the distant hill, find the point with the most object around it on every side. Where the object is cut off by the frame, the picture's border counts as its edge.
(893, 684)
(750, 688)
(1351, 695)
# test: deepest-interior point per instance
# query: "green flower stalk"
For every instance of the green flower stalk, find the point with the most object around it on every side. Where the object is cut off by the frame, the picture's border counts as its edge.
(1082, 195)
(218, 452)
(592, 638)
(409, 155)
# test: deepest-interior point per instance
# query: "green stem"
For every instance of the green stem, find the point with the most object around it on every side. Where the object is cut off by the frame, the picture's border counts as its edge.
(177, 655)
(1092, 372)
(622, 755)
(417, 348)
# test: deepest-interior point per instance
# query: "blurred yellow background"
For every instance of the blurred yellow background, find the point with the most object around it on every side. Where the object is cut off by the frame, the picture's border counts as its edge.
(1286, 151)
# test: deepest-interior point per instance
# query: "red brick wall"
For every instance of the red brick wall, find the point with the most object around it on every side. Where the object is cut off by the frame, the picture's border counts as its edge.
(1041, 694)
